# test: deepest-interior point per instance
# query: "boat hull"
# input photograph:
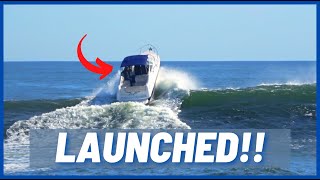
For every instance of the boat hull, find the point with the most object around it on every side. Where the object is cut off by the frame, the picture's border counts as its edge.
(140, 93)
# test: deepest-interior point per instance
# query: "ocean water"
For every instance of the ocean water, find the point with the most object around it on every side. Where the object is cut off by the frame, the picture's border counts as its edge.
(189, 95)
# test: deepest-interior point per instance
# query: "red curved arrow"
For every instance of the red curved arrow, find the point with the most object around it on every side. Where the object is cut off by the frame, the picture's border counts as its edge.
(103, 68)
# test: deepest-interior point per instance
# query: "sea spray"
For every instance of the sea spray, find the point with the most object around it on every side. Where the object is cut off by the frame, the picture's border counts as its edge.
(171, 86)
(169, 77)
(104, 94)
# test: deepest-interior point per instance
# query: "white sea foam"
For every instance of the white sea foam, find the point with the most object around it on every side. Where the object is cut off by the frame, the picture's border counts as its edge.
(96, 113)
(168, 77)
(119, 115)
(104, 94)
(100, 111)
(291, 83)
(171, 86)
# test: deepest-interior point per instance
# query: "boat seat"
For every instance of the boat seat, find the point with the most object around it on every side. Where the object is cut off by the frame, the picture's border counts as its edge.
(141, 80)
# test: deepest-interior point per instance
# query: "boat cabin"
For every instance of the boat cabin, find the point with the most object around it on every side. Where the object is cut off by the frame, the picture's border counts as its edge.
(135, 70)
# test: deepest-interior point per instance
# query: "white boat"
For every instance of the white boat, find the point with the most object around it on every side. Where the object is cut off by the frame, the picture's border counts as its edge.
(138, 76)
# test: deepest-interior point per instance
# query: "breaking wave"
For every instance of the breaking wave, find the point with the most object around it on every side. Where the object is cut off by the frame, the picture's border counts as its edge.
(117, 115)
(100, 111)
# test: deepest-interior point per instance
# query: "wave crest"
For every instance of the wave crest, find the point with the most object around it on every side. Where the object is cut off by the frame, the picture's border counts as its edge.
(117, 115)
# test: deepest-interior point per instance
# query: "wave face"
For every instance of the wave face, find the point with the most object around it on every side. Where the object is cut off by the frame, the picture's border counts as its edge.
(266, 107)
(41, 105)
(264, 94)
(262, 107)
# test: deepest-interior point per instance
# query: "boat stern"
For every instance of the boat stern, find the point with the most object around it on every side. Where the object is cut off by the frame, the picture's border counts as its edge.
(134, 94)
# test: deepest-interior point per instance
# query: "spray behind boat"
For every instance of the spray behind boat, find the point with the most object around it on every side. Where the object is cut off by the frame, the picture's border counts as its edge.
(139, 75)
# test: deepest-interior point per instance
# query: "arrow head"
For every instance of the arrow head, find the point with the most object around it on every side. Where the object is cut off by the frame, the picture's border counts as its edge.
(105, 68)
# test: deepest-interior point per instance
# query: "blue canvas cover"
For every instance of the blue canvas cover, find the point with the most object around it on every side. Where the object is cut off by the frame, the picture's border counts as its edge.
(135, 60)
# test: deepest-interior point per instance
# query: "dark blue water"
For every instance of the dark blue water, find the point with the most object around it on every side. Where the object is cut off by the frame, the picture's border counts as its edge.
(196, 95)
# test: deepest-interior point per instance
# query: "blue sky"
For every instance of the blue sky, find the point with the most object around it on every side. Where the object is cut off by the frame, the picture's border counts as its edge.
(180, 32)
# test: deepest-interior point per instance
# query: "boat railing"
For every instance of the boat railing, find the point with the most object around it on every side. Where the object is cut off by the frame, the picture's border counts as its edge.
(149, 46)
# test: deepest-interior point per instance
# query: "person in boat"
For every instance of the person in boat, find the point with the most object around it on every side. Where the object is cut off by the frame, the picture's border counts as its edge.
(125, 74)
(132, 76)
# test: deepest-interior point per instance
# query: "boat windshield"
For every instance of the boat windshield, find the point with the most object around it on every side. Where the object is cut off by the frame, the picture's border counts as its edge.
(136, 70)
